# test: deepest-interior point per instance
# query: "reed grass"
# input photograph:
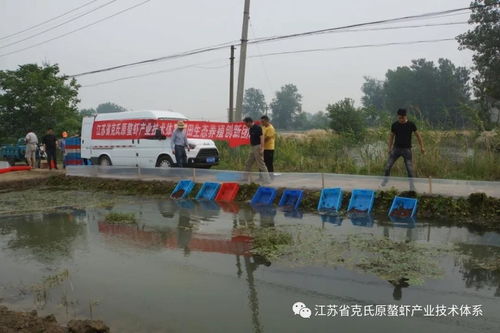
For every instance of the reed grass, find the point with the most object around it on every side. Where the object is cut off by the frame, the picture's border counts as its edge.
(449, 154)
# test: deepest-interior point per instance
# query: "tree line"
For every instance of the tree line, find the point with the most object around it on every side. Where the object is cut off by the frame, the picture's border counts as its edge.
(436, 94)
(35, 97)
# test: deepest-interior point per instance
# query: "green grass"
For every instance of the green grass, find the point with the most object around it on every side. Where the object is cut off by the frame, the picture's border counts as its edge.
(324, 151)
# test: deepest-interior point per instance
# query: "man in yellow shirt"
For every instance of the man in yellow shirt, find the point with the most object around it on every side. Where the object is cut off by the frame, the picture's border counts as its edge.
(269, 139)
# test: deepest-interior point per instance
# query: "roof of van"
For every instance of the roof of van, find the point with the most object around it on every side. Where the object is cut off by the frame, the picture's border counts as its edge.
(143, 114)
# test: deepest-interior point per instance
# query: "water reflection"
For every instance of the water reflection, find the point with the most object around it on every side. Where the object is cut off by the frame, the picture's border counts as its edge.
(480, 266)
(194, 229)
(397, 294)
(361, 219)
(46, 237)
(332, 219)
(267, 214)
(408, 222)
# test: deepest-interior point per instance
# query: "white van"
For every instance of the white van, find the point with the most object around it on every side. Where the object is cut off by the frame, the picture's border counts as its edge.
(146, 152)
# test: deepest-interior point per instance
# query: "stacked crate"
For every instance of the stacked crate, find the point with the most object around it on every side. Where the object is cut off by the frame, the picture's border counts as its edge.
(72, 151)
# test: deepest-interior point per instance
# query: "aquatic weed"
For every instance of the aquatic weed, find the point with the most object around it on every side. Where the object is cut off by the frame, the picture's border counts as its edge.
(125, 218)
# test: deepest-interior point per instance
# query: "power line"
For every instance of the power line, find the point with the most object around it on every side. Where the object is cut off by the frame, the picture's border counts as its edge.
(169, 57)
(407, 26)
(197, 65)
(275, 38)
(328, 30)
(76, 30)
(47, 21)
(59, 25)
(273, 54)
(354, 47)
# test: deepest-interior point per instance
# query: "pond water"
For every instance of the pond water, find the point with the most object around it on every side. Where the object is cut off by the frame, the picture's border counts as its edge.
(185, 266)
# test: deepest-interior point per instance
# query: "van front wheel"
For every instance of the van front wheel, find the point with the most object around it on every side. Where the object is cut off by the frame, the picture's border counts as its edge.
(164, 162)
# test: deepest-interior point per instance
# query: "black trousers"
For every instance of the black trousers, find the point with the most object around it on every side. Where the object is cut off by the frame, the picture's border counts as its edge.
(268, 160)
(394, 155)
(51, 156)
(180, 156)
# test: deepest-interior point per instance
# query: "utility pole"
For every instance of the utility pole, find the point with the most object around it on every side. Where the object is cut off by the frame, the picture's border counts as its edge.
(230, 117)
(243, 58)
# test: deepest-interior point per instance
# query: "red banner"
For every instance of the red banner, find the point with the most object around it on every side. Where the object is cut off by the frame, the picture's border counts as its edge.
(235, 134)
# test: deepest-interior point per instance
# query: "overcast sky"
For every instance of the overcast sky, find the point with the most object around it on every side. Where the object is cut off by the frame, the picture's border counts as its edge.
(163, 27)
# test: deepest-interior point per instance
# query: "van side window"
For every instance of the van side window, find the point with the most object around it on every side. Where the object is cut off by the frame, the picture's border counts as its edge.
(158, 135)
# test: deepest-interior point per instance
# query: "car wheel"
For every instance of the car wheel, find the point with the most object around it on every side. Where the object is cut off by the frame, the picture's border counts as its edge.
(104, 161)
(164, 162)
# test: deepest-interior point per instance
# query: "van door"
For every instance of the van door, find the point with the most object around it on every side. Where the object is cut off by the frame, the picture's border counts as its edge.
(148, 151)
(145, 149)
(86, 144)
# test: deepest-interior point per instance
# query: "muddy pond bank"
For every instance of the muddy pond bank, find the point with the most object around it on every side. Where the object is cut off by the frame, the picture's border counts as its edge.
(30, 322)
(475, 211)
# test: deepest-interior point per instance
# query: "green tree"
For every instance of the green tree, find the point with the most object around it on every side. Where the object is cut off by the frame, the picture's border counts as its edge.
(254, 103)
(302, 121)
(376, 118)
(319, 120)
(286, 106)
(373, 94)
(37, 97)
(109, 107)
(436, 94)
(484, 41)
(88, 112)
(346, 118)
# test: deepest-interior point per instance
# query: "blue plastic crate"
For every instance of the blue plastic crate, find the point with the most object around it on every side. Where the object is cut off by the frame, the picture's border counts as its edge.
(291, 198)
(361, 200)
(75, 141)
(208, 191)
(403, 207)
(264, 196)
(330, 199)
(73, 156)
(184, 185)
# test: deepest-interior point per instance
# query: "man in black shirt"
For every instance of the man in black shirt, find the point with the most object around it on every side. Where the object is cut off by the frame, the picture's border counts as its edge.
(50, 143)
(400, 145)
(256, 148)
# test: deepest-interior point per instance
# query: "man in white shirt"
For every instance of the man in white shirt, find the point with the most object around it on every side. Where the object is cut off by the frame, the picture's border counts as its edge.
(31, 143)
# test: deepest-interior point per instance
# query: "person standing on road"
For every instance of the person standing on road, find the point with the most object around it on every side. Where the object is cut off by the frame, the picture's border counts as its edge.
(256, 149)
(50, 143)
(400, 145)
(31, 143)
(179, 145)
(269, 143)
(62, 147)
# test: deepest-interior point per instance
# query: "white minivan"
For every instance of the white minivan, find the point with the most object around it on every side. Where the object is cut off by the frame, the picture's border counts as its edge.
(147, 152)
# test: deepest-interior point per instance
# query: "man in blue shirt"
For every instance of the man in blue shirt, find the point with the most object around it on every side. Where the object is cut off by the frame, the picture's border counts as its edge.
(179, 145)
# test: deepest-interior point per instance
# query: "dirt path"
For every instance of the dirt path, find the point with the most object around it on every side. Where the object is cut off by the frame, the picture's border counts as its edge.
(18, 180)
